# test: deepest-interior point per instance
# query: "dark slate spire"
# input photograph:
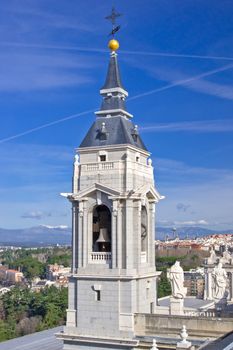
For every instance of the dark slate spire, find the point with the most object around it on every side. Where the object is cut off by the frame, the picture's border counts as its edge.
(113, 93)
(113, 124)
(113, 79)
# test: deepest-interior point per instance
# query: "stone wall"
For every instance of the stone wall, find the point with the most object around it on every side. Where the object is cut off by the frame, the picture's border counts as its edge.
(151, 324)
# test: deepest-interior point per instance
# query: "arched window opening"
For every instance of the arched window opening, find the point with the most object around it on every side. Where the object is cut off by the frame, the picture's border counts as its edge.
(101, 229)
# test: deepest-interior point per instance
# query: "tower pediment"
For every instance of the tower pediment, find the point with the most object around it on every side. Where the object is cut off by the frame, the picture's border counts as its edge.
(148, 191)
(96, 187)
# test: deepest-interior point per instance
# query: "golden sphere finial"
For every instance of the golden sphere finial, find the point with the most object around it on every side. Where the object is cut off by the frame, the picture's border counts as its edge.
(113, 45)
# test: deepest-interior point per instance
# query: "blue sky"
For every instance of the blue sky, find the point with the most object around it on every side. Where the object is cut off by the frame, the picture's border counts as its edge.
(176, 60)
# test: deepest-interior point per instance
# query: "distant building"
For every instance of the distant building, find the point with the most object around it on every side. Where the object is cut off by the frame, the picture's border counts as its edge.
(39, 284)
(4, 290)
(11, 275)
(58, 273)
(194, 281)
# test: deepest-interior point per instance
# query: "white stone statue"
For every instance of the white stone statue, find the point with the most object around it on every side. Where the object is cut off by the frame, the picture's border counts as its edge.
(219, 276)
(76, 159)
(227, 257)
(212, 258)
(176, 276)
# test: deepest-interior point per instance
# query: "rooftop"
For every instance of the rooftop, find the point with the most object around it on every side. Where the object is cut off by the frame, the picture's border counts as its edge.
(118, 130)
(223, 343)
(45, 340)
(189, 302)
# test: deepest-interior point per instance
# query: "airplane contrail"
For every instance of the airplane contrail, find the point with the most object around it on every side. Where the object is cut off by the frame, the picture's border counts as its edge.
(183, 81)
(43, 126)
(97, 50)
(147, 93)
(167, 54)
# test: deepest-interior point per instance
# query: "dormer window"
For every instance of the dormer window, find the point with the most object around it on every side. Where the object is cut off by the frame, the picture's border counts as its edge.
(103, 132)
(135, 133)
(103, 158)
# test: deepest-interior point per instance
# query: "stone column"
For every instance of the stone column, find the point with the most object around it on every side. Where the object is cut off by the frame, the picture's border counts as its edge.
(231, 287)
(80, 234)
(129, 233)
(114, 234)
(74, 237)
(76, 174)
(209, 285)
(138, 211)
(90, 234)
(85, 234)
(151, 234)
(119, 236)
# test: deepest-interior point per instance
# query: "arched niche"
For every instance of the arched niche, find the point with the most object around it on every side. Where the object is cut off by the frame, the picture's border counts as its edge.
(101, 237)
(144, 229)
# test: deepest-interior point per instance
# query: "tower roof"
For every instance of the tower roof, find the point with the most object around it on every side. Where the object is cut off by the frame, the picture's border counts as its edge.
(117, 131)
(113, 125)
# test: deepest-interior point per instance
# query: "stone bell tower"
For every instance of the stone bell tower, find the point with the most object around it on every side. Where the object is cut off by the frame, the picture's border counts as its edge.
(113, 257)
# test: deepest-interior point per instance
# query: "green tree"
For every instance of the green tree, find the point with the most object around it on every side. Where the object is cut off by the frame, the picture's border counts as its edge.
(164, 286)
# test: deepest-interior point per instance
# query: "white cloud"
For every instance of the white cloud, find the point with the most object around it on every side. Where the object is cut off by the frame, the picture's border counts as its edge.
(208, 191)
(168, 223)
(38, 215)
(36, 71)
(61, 227)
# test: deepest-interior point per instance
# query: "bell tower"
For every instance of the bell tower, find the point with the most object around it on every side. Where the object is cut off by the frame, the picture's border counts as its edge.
(113, 203)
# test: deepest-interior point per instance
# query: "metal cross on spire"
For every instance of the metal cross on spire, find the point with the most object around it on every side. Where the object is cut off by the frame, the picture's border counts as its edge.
(112, 18)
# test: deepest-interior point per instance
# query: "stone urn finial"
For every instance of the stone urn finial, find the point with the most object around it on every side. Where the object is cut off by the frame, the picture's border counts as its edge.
(154, 345)
(184, 334)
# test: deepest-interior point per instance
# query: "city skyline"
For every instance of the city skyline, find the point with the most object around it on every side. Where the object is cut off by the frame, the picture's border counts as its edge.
(53, 62)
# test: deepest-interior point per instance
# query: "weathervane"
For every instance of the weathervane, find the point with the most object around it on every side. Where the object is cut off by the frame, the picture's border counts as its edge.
(112, 19)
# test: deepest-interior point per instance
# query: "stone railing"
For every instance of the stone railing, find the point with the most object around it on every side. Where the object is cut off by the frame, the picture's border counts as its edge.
(206, 313)
(98, 166)
(101, 257)
(198, 326)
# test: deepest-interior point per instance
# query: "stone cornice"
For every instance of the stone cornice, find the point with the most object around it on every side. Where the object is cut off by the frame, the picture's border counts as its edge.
(120, 342)
(114, 111)
(115, 147)
(112, 90)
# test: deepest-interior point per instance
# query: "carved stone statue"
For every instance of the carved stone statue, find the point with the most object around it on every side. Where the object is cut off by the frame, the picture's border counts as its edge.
(176, 276)
(76, 159)
(212, 258)
(219, 276)
(227, 257)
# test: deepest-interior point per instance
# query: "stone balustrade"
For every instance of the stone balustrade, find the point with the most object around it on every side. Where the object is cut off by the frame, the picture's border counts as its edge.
(101, 258)
(98, 166)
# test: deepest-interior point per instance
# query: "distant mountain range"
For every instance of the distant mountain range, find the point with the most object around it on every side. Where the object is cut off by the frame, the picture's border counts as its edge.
(51, 235)
(187, 232)
(36, 236)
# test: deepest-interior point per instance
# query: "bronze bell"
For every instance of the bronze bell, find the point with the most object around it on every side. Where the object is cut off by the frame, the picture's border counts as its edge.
(103, 240)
